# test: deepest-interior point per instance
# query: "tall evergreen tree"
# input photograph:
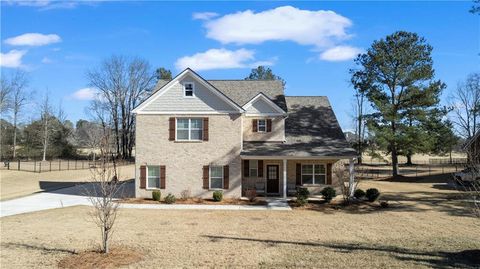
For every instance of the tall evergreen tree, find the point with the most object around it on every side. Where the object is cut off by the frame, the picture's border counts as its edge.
(163, 73)
(263, 73)
(399, 72)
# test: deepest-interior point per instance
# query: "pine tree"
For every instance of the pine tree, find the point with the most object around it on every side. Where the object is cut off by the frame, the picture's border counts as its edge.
(399, 72)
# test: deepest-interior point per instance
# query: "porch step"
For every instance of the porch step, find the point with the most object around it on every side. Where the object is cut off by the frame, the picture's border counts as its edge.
(277, 204)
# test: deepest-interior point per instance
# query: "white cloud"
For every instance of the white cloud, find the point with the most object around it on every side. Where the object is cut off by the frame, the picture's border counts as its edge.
(220, 59)
(204, 15)
(318, 28)
(12, 59)
(47, 4)
(84, 94)
(33, 39)
(340, 53)
(46, 60)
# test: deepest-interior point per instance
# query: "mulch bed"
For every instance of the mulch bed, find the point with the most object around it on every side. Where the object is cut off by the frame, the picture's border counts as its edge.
(196, 201)
(117, 257)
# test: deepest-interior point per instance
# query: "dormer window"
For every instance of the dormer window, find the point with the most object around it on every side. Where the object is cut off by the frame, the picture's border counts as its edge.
(262, 126)
(188, 89)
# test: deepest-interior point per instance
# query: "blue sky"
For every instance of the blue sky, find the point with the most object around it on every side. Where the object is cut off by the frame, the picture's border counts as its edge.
(314, 60)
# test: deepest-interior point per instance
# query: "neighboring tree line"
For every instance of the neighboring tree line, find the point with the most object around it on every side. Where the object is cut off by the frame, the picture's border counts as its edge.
(397, 101)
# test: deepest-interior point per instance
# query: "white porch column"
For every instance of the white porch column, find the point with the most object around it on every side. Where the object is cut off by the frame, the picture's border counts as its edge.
(351, 182)
(285, 178)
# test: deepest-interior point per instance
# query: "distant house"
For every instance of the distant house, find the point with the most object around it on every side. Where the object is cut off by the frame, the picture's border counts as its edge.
(472, 147)
(234, 135)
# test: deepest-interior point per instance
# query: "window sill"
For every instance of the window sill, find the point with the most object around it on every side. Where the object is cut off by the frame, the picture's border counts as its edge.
(188, 141)
(216, 189)
(314, 185)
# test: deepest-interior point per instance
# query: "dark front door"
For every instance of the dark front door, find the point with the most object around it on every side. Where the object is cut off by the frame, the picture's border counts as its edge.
(272, 178)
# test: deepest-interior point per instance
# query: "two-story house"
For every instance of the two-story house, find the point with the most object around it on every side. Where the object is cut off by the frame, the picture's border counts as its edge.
(203, 135)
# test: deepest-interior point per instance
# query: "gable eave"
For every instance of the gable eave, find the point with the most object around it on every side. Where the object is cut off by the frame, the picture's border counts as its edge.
(268, 101)
(175, 80)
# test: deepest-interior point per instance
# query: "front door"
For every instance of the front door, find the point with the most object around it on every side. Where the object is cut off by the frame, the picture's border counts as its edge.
(272, 178)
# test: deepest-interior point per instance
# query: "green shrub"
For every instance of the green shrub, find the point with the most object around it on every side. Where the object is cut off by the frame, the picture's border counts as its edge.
(156, 195)
(170, 199)
(328, 194)
(302, 196)
(372, 194)
(384, 204)
(217, 196)
(359, 193)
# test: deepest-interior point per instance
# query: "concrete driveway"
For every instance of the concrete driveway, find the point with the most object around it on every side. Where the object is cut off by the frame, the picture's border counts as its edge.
(65, 197)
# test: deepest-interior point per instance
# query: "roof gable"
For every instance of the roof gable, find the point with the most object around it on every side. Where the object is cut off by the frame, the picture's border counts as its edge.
(170, 98)
(262, 105)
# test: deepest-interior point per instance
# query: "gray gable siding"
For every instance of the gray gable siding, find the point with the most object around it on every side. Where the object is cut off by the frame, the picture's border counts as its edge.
(204, 100)
(261, 106)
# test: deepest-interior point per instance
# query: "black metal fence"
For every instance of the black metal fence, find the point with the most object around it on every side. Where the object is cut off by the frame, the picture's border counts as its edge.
(55, 165)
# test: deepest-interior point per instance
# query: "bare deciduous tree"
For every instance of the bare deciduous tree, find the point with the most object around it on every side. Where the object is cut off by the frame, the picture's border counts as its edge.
(19, 83)
(105, 189)
(122, 84)
(466, 106)
(5, 95)
(46, 112)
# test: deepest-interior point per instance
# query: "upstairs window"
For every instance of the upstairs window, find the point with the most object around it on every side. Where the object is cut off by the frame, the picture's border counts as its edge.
(188, 89)
(262, 125)
(189, 129)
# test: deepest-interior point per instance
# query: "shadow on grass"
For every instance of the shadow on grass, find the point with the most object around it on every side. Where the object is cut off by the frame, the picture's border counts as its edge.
(126, 190)
(437, 259)
(446, 202)
(40, 248)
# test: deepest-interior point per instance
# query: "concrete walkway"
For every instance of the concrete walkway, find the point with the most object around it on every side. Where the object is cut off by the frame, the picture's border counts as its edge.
(72, 196)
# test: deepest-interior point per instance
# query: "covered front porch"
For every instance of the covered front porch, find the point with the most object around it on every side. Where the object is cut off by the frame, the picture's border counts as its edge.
(281, 176)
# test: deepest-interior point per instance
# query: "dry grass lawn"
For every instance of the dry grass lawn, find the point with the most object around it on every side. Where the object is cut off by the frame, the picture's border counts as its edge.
(15, 184)
(424, 227)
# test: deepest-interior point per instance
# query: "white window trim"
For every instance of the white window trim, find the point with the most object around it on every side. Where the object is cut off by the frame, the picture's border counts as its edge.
(189, 129)
(210, 177)
(193, 89)
(250, 169)
(159, 176)
(313, 173)
(258, 126)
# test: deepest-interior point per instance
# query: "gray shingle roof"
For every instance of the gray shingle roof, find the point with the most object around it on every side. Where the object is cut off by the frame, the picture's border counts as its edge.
(311, 129)
(242, 91)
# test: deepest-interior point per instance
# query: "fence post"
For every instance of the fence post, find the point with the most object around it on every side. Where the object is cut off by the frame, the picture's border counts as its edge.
(8, 166)
(68, 164)
(50, 165)
(18, 165)
(39, 167)
(59, 164)
(429, 170)
(34, 166)
(416, 171)
(83, 162)
(75, 164)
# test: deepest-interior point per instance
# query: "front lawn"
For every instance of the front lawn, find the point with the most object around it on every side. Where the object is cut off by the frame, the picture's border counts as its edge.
(425, 227)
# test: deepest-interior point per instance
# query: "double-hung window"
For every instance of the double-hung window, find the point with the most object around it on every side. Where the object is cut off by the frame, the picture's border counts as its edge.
(216, 177)
(253, 167)
(189, 129)
(153, 177)
(262, 125)
(188, 89)
(313, 174)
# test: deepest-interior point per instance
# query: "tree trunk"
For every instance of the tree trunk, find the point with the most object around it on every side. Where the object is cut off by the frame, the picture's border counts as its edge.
(105, 240)
(394, 162)
(359, 142)
(14, 136)
(45, 140)
(394, 152)
(409, 159)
